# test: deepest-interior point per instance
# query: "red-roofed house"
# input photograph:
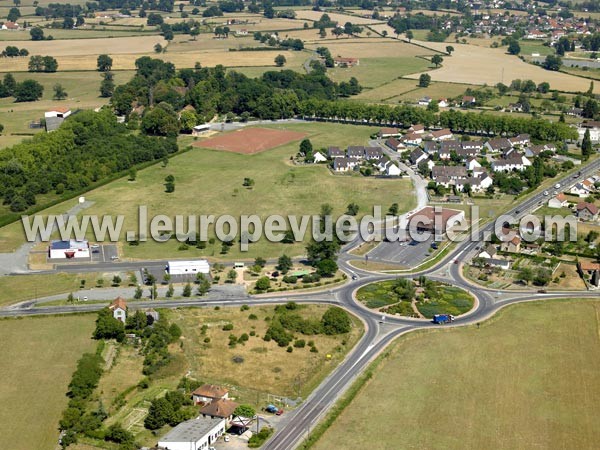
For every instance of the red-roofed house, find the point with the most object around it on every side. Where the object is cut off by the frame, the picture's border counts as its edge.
(59, 111)
(119, 309)
(10, 26)
(560, 201)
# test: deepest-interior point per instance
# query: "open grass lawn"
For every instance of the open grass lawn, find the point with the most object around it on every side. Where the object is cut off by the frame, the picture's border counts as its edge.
(528, 378)
(528, 47)
(388, 91)
(38, 357)
(16, 288)
(83, 93)
(373, 72)
(210, 182)
(436, 91)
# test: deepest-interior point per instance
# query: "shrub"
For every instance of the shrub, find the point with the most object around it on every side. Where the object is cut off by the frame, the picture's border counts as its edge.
(299, 343)
(228, 327)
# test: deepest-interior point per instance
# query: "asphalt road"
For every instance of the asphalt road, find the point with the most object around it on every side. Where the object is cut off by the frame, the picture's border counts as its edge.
(379, 332)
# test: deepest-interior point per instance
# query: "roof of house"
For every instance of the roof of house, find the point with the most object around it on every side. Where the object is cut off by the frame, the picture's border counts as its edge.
(561, 197)
(387, 130)
(593, 209)
(412, 137)
(449, 171)
(210, 391)
(440, 133)
(219, 408)
(60, 109)
(490, 249)
(499, 143)
(345, 60)
(191, 430)
(417, 127)
(118, 303)
(11, 25)
(373, 152)
(589, 266)
(341, 163)
(356, 150)
(496, 262)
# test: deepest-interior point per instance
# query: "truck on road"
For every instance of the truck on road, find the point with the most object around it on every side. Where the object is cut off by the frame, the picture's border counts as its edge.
(441, 319)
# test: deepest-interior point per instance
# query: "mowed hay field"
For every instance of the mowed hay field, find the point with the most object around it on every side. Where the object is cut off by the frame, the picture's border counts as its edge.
(38, 358)
(528, 378)
(472, 64)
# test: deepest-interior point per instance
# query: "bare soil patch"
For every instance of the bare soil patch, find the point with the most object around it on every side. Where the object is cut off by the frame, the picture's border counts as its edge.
(250, 140)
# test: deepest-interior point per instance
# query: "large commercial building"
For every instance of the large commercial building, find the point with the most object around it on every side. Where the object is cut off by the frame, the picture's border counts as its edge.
(188, 267)
(195, 434)
(69, 249)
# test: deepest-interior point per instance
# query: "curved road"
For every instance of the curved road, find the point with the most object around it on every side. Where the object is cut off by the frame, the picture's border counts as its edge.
(379, 331)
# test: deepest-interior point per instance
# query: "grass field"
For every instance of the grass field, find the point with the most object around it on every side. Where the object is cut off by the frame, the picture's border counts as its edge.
(435, 90)
(472, 64)
(531, 381)
(14, 289)
(38, 357)
(210, 182)
(82, 89)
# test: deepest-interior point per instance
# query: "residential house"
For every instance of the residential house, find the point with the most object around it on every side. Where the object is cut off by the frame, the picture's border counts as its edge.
(468, 100)
(194, 434)
(594, 128)
(520, 140)
(343, 164)
(411, 139)
(535, 34)
(582, 189)
(373, 153)
(220, 408)
(443, 103)
(431, 147)
(209, 392)
(472, 164)
(417, 129)
(472, 145)
(389, 132)
(318, 157)
(513, 162)
(489, 251)
(395, 144)
(592, 270)
(425, 101)
(417, 156)
(60, 111)
(497, 145)
(452, 173)
(560, 201)
(346, 62)
(534, 150)
(391, 169)
(587, 211)
(119, 309)
(511, 245)
(441, 135)
(12, 26)
(355, 152)
(335, 152)
(242, 32)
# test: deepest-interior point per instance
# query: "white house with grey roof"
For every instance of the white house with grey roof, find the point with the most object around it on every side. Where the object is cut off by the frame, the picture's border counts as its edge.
(195, 434)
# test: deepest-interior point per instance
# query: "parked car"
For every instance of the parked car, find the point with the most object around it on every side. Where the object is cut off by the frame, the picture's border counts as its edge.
(280, 412)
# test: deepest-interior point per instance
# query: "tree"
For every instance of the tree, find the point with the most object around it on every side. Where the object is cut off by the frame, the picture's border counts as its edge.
(513, 47)
(158, 48)
(107, 327)
(586, 145)
(13, 15)
(9, 83)
(28, 91)
(138, 293)
(59, 92)
(424, 80)
(160, 413)
(327, 268)
(194, 32)
(37, 34)
(280, 60)
(552, 62)
(409, 35)
(526, 275)
(449, 49)
(104, 63)
(284, 264)
(263, 284)
(107, 85)
(306, 148)
(352, 209)
(336, 321)
(437, 60)
(187, 290)
(203, 285)
(394, 209)
(246, 411)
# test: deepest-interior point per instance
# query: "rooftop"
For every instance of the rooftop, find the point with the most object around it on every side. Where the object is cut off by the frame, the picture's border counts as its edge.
(191, 430)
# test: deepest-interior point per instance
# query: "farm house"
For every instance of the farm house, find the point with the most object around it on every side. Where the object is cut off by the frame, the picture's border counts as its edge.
(188, 267)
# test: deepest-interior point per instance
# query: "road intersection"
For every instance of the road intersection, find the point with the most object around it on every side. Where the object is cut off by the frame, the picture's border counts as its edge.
(379, 331)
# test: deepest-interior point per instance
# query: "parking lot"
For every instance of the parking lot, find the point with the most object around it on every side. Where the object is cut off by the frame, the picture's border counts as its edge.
(409, 254)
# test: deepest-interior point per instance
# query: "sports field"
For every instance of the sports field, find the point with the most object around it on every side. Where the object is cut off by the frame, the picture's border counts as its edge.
(38, 357)
(248, 141)
(528, 378)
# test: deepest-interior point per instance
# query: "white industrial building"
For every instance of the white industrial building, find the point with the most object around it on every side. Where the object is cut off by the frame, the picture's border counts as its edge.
(188, 267)
(69, 249)
(195, 434)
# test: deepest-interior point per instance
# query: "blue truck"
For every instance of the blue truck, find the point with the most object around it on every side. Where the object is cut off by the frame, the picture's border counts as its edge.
(441, 319)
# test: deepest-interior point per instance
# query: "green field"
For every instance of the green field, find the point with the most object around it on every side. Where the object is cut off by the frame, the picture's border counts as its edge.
(82, 89)
(38, 357)
(528, 378)
(530, 46)
(210, 182)
(373, 72)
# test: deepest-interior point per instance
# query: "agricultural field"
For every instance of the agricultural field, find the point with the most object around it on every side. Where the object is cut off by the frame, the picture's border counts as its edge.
(38, 357)
(388, 91)
(280, 188)
(471, 65)
(83, 93)
(542, 396)
(310, 15)
(435, 90)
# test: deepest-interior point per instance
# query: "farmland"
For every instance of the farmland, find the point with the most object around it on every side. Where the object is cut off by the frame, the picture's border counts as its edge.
(471, 64)
(502, 392)
(38, 357)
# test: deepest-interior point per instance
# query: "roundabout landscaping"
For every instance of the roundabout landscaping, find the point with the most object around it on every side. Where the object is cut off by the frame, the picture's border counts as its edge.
(419, 298)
